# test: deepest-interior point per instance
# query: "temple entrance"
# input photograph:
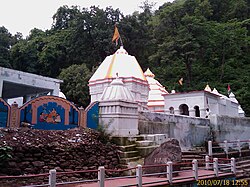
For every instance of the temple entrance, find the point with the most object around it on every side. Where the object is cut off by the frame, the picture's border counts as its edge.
(184, 110)
(197, 111)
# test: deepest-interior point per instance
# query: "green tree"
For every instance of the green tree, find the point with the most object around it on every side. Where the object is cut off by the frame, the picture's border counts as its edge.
(75, 84)
(5, 44)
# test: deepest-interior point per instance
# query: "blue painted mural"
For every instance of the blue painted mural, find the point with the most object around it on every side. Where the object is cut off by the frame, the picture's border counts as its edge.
(4, 113)
(92, 116)
(50, 113)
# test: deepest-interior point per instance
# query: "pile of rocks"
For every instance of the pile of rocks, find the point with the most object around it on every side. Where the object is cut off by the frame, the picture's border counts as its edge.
(38, 151)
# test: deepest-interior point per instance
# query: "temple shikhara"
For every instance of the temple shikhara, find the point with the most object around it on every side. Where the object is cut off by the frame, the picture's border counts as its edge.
(125, 66)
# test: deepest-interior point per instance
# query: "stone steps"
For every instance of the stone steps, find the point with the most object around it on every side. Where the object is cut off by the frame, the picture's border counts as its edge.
(144, 143)
(128, 154)
(126, 148)
(144, 151)
(157, 138)
(127, 160)
(123, 141)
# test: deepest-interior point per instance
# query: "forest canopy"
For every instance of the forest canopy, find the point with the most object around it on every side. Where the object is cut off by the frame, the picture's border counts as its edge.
(201, 41)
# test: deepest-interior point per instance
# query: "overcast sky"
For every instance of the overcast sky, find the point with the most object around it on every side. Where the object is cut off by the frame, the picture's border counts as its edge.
(24, 15)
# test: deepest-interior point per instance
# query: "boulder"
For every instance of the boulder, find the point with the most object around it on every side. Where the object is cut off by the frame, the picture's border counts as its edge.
(168, 151)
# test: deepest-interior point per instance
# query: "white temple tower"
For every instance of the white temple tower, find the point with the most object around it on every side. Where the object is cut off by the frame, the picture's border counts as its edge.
(155, 98)
(128, 69)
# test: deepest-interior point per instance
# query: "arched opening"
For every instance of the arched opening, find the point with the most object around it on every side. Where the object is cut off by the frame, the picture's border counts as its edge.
(197, 111)
(171, 110)
(184, 110)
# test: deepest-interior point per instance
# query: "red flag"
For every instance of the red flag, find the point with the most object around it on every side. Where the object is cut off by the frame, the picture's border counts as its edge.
(228, 89)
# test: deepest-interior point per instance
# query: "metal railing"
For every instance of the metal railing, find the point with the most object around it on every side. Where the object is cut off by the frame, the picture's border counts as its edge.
(227, 147)
(216, 165)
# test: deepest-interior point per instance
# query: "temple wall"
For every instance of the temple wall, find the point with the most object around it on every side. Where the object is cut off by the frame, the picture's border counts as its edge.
(188, 130)
(230, 128)
(192, 131)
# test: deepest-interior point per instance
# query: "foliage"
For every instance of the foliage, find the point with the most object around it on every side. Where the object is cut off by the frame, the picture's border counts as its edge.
(75, 79)
(6, 42)
(5, 154)
(104, 135)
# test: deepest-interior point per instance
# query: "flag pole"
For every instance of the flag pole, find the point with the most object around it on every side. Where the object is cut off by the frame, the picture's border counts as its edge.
(121, 41)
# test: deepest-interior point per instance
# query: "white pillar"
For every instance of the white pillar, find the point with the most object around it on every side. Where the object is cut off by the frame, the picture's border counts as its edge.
(233, 165)
(192, 112)
(101, 176)
(56, 91)
(195, 169)
(169, 172)
(207, 162)
(1, 88)
(210, 148)
(203, 113)
(52, 178)
(139, 175)
(216, 168)
(226, 147)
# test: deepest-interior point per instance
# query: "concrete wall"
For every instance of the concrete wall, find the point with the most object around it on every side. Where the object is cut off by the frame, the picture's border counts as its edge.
(192, 131)
(230, 128)
(189, 131)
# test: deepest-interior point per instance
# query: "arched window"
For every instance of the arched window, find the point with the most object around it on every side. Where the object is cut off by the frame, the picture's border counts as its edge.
(171, 110)
(184, 110)
(197, 111)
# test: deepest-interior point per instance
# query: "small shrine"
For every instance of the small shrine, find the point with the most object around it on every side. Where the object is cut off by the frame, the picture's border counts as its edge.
(118, 112)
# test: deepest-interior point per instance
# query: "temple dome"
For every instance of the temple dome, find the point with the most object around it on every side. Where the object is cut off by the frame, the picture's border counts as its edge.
(117, 91)
(120, 62)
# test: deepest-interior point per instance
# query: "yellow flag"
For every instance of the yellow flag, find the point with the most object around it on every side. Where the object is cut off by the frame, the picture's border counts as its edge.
(116, 35)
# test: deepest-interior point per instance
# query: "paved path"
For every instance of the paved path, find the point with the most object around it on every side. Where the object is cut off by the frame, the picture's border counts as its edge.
(203, 174)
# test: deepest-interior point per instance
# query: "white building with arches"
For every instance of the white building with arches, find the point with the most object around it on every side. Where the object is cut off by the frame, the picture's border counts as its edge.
(195, 104)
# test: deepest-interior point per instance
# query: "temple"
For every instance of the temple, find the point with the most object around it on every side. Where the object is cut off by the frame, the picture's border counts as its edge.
(125, 66)
(152, 96)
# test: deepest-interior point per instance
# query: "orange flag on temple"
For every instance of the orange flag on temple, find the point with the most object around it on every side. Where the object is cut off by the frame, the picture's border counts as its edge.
(116, 35)
(181, 81)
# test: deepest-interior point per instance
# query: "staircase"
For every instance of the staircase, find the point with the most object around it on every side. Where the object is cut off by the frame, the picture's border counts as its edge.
(127, 149)
(132, 150)
(189, 156)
